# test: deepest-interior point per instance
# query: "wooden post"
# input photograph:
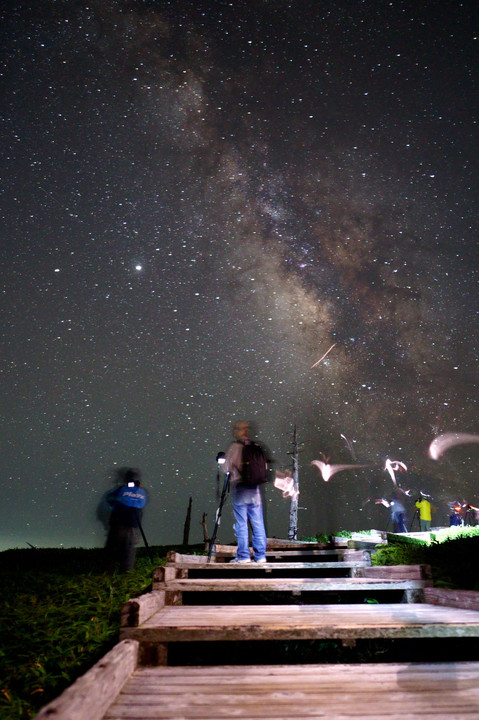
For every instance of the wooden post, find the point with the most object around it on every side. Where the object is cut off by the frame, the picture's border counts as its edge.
(206, 537)
(293, 512)
(186, 531)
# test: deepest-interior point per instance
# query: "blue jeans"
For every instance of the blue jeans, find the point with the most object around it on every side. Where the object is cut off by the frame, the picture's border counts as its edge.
(399, 522)
(252, 511)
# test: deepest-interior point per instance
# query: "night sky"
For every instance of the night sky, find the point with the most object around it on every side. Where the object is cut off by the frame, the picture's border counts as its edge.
(198, 199)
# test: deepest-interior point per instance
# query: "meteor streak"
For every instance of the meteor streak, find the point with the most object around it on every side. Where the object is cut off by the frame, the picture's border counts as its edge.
(322, 358)
(443, 442)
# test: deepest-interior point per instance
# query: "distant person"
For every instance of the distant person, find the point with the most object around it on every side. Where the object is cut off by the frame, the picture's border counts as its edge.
(245, 498)
(397, 513)
(473, 514)
(456, 518)
(425, 510)
(127, 503)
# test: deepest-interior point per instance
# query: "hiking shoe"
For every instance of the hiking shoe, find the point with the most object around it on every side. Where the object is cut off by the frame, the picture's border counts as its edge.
(261, 560)
(243, 561)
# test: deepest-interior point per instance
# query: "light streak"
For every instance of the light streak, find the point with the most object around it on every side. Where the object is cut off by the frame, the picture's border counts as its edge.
(286, 485)
(392, 466)
(322, 358)
(382, 501)
(328, 471)
(443, 442)
(349, 446)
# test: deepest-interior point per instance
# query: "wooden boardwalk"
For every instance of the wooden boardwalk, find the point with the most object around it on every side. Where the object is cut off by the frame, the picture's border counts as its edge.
(195, 604)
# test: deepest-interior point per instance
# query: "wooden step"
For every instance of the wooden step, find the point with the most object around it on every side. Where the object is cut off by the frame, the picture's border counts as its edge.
(115, 689)
(264, 584)
(274, 557)
(236, 623)
(277, 570)
(276, 566)
(318, 570)
(442, 691)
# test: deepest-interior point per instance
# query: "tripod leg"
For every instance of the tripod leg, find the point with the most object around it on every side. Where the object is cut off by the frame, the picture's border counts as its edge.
(416, 515)
(224, 493)
(144, 537)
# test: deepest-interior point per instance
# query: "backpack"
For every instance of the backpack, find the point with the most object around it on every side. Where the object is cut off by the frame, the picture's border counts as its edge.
(132, 497)
(254, 466)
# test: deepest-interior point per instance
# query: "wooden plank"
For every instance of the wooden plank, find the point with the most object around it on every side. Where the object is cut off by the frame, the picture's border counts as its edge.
(267, 567)
(90, 696)
(265, 584)
(168, 572)
(163, 575)
(443, 691)
(299, 552)
(304, 622)
(403, 572)
(257, 676)
(136, 610)
(175, 557)
(363, 555)
(314, 551)
(468, 599)
(276, 545)
(272, 543)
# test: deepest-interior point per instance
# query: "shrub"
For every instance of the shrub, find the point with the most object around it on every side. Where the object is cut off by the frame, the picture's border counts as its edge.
(453, 561)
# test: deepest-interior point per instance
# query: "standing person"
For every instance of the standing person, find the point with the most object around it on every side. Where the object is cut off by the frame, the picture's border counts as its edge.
(425, 513)
(397, 512)
(246, 500)
(127, 503)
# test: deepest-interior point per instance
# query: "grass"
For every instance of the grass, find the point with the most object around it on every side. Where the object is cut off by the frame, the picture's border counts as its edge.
(60, 613)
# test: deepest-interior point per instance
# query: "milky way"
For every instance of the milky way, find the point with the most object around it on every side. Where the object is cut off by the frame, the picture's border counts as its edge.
(198, 201)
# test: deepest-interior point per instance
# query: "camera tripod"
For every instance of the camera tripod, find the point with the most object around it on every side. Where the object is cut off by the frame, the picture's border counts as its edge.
(415, 517)
(224, 495)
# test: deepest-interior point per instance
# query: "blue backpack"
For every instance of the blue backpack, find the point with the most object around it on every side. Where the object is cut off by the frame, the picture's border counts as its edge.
(132, 497)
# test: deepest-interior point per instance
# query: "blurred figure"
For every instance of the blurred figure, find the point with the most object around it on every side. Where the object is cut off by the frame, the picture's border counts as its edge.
(397, 512)
(472, 515)
(246, 501)
(127, 503)
(456, 518)
(425, 513)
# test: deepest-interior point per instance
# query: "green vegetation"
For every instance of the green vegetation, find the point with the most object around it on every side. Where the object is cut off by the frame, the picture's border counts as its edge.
(451, 555)
(454, 533)
(60, 613)
(318, 538)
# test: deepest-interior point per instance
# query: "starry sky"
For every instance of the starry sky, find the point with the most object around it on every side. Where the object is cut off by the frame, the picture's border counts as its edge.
(198, 199)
